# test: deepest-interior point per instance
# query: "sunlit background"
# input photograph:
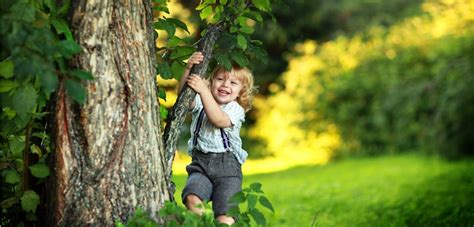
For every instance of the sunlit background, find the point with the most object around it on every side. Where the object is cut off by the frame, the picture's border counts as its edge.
(361, 107)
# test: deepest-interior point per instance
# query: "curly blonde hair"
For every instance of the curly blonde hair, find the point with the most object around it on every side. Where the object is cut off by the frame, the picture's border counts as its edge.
(248, 90)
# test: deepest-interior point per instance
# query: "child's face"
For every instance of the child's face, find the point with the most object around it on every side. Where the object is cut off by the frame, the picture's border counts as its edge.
(225, 87)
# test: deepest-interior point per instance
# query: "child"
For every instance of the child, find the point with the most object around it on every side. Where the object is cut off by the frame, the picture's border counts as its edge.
(218, 111)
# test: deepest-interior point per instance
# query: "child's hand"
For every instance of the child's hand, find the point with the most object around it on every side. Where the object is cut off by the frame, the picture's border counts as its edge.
(197, 83)
(196, 58)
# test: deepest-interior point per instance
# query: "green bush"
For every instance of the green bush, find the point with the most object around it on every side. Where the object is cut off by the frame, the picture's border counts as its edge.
(247, 213)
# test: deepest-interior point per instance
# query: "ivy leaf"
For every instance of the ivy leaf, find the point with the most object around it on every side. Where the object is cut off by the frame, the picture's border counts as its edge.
(61, 27)
(68, 48)
(7, 85)
(27, 11)
(241, 42)
(75, 90)
(266, 203)
(6, 68)
(239, 197)
(39, 170)
(258, 217)
(164, 70)
(36, 150)
(256, 187)
(12, 176)
(49, 81)
(81, 74)
(51, 5)
(29, 201)
(7, 203)
(25, 99)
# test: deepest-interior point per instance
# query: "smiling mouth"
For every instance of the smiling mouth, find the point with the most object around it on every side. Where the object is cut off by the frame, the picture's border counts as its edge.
(222, 92)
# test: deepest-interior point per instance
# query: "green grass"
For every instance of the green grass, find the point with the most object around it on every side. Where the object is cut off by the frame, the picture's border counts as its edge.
(402, 190)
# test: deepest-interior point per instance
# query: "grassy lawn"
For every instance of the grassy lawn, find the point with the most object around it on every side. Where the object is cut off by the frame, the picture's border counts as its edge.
(402, 190)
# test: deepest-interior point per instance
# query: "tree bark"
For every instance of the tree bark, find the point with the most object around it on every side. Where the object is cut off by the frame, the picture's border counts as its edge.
(109, 157)
(178, 114)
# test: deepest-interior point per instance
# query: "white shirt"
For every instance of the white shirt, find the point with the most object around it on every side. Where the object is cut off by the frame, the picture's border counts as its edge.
(210, 139)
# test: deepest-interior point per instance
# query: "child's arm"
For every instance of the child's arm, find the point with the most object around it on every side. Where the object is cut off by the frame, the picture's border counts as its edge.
(214, 113)
(196, 58)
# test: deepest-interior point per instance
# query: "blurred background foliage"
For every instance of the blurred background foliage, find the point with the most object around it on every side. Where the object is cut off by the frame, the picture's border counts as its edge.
(362, 78)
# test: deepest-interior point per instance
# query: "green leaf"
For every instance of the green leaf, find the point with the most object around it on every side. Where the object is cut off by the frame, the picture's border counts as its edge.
(174, 41)
(61, 27)
(251, 201)
(177, 69)
(201, 6)
(51, 4)
(258, 53)
(240, 58)
(246, 29)
(164, 24)
(39, 170)
(266, 203)
(178, 23)
(161, 93)
(256, 187)
(161, 9)
(7, 203)
(241, 42)
(75, 90)
(239, 197)
(36, 150)
(223, 60)
(233, 29)
(181, 52)
(17, 145)
(164, 70)
(233, 211)
(29, 201)
(9, 113)
(6, 69)
(258, 217)
(205, 12)
(81, 74)
(7, 85)
(24, 99)
(263, 5)
(68, 48)
(12, 176)
(23, 10)
(49, 81)
(254, 16)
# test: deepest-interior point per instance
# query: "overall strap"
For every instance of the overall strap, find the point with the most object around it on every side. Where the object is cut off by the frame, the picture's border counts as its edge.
(198, 127)
(225, 138)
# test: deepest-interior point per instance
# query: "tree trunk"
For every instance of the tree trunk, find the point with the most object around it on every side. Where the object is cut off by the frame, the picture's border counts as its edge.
(178, 114)
(109, 157)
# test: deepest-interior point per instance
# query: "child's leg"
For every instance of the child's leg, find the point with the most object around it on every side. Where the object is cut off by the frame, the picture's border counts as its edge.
(194, 204)
(224, 188)
(198, 189)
